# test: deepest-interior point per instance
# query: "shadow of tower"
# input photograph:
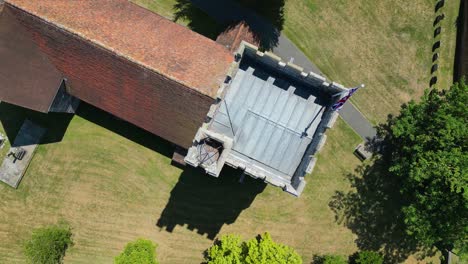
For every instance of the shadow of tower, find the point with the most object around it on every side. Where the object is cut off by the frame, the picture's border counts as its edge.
(205, 203)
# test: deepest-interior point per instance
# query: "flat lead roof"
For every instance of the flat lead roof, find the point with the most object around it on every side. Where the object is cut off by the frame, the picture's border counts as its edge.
(273, 119)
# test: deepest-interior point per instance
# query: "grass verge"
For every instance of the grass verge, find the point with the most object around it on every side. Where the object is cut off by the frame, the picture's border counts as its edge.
(112, 190)
(383, 44)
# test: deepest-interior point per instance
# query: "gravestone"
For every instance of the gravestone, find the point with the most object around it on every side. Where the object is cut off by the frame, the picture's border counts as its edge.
(436, 45)
(437, 31)
(438, 19)
(439, 5)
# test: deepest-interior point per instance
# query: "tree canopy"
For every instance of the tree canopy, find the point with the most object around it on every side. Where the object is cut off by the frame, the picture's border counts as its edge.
(141, 251)
(425, 146)
(330, 259)
(48, 245)
(231, 249)
(368, 257)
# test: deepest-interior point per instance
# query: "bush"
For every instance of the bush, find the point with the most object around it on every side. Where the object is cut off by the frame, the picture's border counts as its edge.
(329, 259)
(369, 257)
(141, 251)
(48, 245)
(334, 259)
(230, 249)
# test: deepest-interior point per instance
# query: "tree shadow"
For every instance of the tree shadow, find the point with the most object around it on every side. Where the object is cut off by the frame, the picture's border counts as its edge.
(12, 118)
(205, 203)
(197, 20)
(373, 209)
(265, 18)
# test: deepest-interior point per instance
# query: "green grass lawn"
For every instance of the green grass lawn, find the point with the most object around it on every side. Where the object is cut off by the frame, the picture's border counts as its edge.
(162, 7)
(448, 43)
(383, 44)
(112, 190)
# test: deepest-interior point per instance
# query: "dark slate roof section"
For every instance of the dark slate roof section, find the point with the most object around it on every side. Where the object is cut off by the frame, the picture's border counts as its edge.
(39, 80)
(141, 36)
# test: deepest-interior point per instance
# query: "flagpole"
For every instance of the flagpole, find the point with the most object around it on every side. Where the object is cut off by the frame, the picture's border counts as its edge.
(342, 92)
(343, 99)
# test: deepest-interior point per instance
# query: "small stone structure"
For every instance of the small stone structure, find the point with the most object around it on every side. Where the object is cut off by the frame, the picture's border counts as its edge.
(362, 152)
(22, 150)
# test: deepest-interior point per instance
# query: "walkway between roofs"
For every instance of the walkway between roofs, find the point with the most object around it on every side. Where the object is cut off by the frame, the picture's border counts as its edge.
(227, 10)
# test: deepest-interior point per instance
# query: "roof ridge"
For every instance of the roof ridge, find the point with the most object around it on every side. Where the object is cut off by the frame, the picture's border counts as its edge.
(171, 64)
(104, 47)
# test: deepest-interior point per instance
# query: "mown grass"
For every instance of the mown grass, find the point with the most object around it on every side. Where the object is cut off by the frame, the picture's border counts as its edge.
(162, 7)
(383, 44)
(112, 190)
(448, 44)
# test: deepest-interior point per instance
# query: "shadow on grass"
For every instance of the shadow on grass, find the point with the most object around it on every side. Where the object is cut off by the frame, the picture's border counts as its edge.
(12, 118)
(199, 201)
(210, 18)
(125, 129)
(205, 203)
(373, 210)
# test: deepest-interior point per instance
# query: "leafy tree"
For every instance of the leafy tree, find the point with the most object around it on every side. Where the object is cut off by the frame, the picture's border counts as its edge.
(331, 259)
(48, 245)
(227, 250)
(141, 251)
(230, 249)
(368, 257)
(426, 146)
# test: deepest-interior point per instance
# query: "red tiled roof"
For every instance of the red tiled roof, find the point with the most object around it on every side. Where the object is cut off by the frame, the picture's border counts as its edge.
(233, 36)
(140, 36)
(27, 77)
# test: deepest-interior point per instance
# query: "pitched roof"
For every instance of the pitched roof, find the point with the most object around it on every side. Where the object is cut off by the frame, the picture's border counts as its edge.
(140, 36)
(27, 77)
(232, 37)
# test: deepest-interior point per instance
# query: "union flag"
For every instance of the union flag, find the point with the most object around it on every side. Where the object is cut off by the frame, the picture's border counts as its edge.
(338, 105)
